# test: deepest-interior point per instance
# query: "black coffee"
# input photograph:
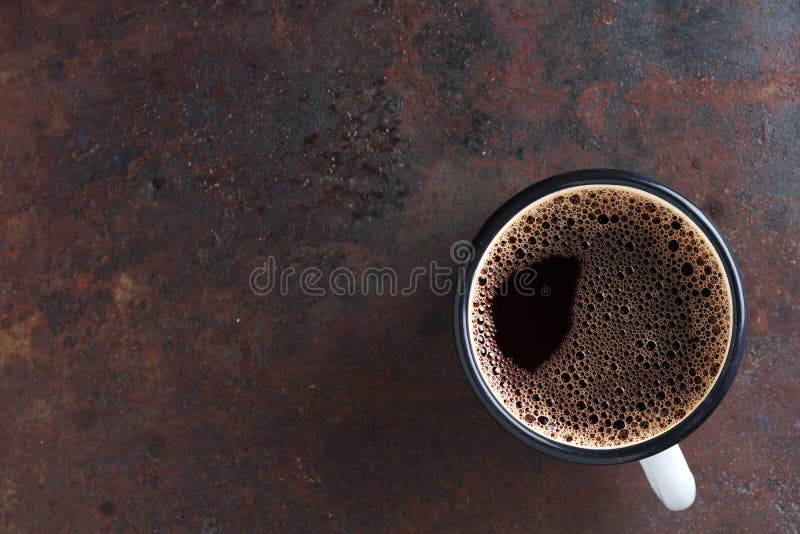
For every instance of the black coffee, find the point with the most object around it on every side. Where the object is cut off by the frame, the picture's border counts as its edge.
(601, 316)
(515, 307)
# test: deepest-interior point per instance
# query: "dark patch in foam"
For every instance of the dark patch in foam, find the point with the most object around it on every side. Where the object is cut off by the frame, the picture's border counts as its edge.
(530, 321)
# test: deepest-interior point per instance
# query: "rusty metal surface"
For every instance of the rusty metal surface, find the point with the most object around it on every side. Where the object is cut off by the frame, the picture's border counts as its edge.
(152, 154)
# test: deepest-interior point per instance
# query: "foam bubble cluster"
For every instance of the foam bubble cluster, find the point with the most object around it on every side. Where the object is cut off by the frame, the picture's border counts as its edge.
(650, 321)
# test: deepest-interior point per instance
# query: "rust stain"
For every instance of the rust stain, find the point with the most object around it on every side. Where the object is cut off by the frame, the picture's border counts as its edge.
(592, 104)
(17, 339)
(124, 291)
(9, 500)
(659, 91)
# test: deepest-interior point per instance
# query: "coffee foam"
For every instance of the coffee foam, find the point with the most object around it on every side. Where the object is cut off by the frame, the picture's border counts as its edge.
(651, 319)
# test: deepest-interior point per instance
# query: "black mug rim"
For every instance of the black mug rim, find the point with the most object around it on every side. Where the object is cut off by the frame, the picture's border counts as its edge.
(626, 453)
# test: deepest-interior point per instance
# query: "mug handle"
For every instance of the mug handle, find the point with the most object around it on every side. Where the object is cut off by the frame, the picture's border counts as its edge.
(670, 478)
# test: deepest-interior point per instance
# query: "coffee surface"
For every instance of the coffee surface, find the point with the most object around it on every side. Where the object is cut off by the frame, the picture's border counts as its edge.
(600, 316)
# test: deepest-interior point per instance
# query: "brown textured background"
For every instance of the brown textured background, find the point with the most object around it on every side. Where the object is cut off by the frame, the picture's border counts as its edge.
(153, 153)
